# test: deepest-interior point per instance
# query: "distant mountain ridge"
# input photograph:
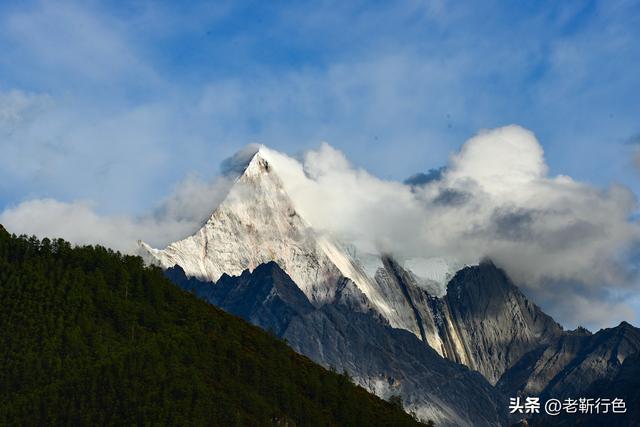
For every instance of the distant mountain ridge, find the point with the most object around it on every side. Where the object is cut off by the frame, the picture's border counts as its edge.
(548, 363)
(573, 362)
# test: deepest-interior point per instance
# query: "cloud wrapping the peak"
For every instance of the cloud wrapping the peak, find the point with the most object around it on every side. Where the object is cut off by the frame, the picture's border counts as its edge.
(114, 105)
(500, 160)
(554, 236)
(237, 163)
(494, 199)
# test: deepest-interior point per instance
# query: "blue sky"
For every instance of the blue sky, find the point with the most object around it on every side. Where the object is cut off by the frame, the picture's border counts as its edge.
(148, 93)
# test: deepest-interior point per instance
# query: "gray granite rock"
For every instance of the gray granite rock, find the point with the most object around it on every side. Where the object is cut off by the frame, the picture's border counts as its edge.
(348, 336)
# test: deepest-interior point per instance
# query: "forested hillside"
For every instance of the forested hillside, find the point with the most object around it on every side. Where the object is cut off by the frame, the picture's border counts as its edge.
(91, 337)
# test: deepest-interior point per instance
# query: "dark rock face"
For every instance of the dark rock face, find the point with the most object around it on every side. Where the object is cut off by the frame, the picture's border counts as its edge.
(486, 323)
(394, 361)
(494, 321)
(483, 322)
(267, 297)
(568, 366)
(349, 337)
(625, 384)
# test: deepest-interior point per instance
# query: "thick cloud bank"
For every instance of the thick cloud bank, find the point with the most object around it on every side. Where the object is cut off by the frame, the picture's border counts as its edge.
(566, 242)
(494, 200)
(178, 216)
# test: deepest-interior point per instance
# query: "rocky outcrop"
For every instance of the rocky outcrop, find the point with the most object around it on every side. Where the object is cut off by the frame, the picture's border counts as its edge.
(494, 322)
(487, 324)
(390, 362)
(483, 321)
(351, 337)
(267, 297)
(624, 385)
(571, 364)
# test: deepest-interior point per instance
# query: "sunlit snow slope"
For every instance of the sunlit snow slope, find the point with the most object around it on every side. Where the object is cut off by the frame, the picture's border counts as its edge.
(258, 223)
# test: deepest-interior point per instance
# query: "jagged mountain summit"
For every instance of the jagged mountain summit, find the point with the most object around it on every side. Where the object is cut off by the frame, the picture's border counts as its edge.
(257, 223)
(386, 361)
(570, 364)
(379, 318)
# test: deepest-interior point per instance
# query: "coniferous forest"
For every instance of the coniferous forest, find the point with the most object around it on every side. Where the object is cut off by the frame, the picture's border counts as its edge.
(92, 337)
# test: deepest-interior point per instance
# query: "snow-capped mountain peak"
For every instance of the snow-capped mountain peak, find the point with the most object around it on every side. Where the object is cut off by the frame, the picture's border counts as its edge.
(256, 223)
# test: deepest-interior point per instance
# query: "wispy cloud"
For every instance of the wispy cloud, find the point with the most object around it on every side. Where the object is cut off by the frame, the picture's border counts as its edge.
(185, 210)
(396, 87)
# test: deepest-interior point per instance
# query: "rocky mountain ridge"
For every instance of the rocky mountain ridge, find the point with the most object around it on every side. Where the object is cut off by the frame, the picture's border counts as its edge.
(347, 338)
(330, 296)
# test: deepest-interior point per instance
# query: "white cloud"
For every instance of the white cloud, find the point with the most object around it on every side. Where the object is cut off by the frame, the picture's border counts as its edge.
(499, 160)
(129, 113)
(494, 199)
(178, 216)
(134, 110)
(575, 309)
(76, 222)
